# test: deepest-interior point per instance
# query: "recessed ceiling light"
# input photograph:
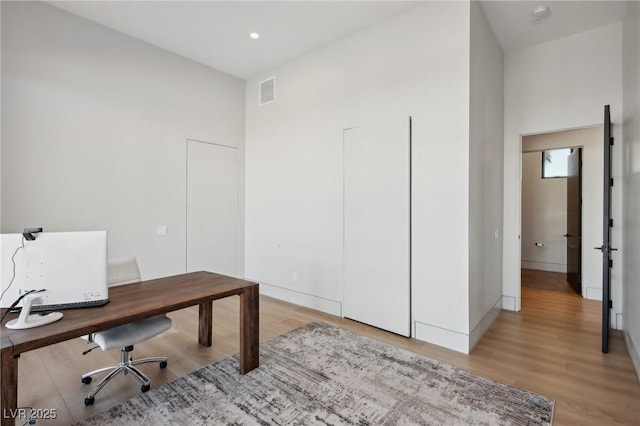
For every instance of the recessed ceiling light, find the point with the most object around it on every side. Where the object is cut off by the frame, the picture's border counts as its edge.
(254, 36)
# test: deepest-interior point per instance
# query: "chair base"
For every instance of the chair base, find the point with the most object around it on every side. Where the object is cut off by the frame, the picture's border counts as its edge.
(126, 365)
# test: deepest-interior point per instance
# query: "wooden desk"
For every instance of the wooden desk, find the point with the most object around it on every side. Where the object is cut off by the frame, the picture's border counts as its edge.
(130, 303)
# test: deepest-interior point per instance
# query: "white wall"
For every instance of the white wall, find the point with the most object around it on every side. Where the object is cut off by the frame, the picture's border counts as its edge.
(94, 129)
(591, 141)
(553, 86)
(631, 173)
(544, 217)
(486, 145)
(416, 64)
(1, 121)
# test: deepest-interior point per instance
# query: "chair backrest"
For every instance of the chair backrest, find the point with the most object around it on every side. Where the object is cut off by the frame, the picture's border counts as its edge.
(123, 271)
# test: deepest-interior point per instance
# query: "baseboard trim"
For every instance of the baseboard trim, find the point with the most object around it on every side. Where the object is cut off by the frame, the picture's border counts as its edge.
(442, 337)
(593, 293)
(619, 321)
(633, 353)
(544, 266)
(484, 324)
(508, 303)
(328, 306)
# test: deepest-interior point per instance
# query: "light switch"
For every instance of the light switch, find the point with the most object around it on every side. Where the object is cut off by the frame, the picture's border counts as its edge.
(162, 230)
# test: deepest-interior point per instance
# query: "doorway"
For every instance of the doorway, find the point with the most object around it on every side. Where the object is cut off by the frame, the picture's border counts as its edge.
(213, 202)
(551, 216)
(561, 211)
(377, 225)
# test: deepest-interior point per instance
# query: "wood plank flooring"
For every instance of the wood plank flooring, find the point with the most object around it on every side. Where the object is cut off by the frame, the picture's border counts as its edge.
(552, 347)
(545, 280)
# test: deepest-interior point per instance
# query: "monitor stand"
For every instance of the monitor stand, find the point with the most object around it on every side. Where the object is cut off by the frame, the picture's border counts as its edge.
(25, 320)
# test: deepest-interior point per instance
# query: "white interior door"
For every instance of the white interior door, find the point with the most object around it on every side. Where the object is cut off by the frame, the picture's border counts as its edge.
(377, 225)
(212, 208)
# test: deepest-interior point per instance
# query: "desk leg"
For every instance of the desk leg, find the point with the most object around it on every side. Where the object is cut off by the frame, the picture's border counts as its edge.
(9, 389)
(205, 326)
(249, 329)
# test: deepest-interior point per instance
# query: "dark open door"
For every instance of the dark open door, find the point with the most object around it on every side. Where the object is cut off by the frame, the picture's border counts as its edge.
(607, 224)
(574, 220)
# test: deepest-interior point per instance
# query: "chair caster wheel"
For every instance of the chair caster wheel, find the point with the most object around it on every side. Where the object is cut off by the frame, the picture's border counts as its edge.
(145, 388)
(89, 401)
(87, 380)
(163, 364)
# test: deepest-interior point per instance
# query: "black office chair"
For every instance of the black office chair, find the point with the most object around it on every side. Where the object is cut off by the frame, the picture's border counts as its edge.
(125, 271)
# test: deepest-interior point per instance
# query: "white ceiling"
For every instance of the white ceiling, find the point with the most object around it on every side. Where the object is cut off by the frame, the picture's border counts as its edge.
(512, 21)
(216, 33)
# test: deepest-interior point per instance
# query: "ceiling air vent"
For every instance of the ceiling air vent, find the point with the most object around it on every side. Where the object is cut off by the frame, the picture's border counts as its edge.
(268, 91)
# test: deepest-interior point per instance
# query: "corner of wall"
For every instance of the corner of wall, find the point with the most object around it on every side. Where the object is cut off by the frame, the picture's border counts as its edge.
(484, 324)
(485, 174)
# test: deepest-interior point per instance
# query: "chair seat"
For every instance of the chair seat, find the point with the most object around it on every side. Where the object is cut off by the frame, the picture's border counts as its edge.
(130, 334)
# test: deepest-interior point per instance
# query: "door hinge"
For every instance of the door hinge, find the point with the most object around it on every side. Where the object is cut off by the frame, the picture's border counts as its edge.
(610, 304)
(611, 140)
(611, 182)
(610, 263)
(610, 223)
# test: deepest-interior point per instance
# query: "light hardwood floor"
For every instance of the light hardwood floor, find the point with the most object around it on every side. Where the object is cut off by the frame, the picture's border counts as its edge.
(545, 280)
(551, 347)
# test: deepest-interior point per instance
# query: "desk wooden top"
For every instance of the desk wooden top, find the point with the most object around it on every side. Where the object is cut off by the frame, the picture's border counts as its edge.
(127, 303)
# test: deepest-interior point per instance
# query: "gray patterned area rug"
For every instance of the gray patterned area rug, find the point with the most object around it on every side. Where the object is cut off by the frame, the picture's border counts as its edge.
(320, 374)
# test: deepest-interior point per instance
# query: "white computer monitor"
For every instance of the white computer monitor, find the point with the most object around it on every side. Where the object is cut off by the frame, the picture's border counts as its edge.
(70, 266)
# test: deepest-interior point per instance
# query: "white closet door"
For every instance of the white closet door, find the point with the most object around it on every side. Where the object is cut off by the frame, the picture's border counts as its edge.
(377, 225)
(212, 208)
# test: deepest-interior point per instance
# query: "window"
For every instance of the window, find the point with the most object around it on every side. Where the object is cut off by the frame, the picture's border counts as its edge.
(554, 163)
